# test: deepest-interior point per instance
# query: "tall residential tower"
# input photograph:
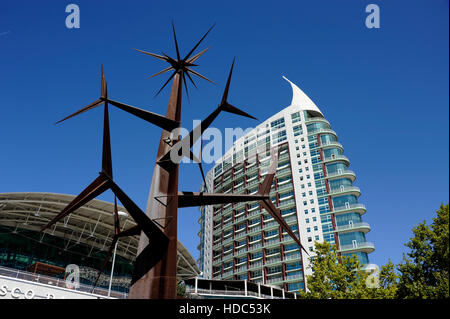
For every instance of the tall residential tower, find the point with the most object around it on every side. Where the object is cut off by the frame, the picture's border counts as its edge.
(313, 188)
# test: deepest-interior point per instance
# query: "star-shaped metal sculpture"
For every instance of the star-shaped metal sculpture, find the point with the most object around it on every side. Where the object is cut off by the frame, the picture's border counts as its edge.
(157, 246)
(154, 274)
(156, 119)
(180, 65)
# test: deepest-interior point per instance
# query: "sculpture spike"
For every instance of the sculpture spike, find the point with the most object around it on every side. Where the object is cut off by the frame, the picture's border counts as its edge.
(161, 72)
(153, 55)
(106, 153)
(168, 80)
(84, 109)
(198, 43)
(227, 86)
(176, 43)
(199, 75)
(195, 57)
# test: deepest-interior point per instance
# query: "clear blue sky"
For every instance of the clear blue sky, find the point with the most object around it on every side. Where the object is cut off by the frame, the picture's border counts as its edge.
(385, 92)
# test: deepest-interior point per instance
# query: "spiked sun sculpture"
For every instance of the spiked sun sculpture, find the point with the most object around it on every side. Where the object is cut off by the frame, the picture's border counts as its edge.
(155, 268)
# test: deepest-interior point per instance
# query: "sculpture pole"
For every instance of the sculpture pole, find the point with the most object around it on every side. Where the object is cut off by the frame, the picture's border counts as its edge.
(162, 206)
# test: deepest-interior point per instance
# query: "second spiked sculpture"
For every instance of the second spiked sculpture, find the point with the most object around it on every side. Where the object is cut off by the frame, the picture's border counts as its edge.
(158, 244)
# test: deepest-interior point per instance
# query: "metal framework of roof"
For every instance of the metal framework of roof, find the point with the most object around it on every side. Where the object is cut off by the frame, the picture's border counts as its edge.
(91, 225)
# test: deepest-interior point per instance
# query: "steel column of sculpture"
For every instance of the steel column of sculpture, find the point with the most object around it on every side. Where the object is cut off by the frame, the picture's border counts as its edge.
(161, 280)
(155, 268)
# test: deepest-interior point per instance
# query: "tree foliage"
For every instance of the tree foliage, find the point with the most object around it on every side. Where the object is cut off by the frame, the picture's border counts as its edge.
(343, 277)
(424, 272)
(181, 290)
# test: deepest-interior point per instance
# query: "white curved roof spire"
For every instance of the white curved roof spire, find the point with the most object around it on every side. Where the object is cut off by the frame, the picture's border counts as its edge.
(300, 99)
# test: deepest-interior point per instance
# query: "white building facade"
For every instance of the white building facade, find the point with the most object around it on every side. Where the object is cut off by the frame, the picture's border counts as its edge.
(313, 188)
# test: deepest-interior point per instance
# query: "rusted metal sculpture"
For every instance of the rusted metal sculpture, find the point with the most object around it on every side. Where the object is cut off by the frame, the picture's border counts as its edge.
(155, 268)
(164, 198)
(158, 244)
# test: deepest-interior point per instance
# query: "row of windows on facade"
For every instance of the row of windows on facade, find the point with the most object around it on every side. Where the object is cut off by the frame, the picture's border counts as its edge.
(276, 138)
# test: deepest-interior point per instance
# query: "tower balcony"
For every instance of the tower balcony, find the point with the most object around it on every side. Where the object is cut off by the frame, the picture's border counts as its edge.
(272, 243)
(335, 158)
(347, 190)
(360, 227)
(284, 172)
(271, 225)
(217, 231)
(228, 240)
(317, 119)
(342, 174)
(357, 208)
(322, 131)
(273, 261)
(255, 247)
(274, 279)
(293, 278)
(227, 182)
(228, 257)
(240, 252)
(293, 257)
(365, 247)
(241, 269)
(286, 187)
(332, 144)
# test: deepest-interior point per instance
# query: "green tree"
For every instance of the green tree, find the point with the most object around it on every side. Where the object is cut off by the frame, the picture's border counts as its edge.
(424, 273)
(343, 277)
(387, 283)
(181, 289)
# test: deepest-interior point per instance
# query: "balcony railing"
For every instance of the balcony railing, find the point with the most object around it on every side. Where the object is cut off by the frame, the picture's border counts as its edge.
(363, 246)
(227, 241)
(254, 247)
(271, 242)
(240, 251)
(340, 173)
(256, 264)
(332, 144)
(273, 261)
(336, 158)
(293, 277)
(276, 279)
(317, 119)
(271, 224)
(241, 268)
(284, 186)
(284, 171)
(242, 234)
(344, 189)
(292, 257)
(290, 219)
(359, 208)
(286, 203)
(321, 130)
(254, 230)
(353, 226)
